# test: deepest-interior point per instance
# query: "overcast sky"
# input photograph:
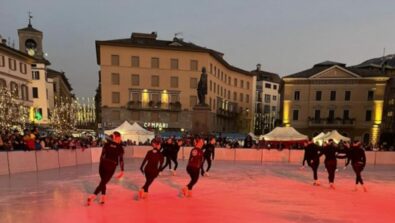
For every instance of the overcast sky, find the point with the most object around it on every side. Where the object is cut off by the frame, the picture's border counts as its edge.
(285, 36)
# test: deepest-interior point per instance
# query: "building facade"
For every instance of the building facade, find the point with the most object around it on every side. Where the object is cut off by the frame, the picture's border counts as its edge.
(332, 96)
(15, 72)
(154, 82)
(61, 86)
(267, 101)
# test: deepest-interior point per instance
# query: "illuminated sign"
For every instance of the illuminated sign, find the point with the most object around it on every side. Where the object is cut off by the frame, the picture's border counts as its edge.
(156, 125)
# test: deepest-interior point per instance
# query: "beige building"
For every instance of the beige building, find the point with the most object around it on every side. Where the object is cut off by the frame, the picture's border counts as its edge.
(332, 96)
(154, 82)
(61, 86)
(15, 72)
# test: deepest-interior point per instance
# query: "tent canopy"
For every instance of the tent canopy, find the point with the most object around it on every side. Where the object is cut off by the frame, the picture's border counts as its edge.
(132, 132)
(283, 134)
(336, 136)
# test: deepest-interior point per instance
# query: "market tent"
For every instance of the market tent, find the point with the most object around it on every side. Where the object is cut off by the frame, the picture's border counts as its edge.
(318, 139)
(284, 134)
(132, 132)
(336, 136)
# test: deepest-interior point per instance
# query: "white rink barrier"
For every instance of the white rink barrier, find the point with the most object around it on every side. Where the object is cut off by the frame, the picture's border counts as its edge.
(21, 161)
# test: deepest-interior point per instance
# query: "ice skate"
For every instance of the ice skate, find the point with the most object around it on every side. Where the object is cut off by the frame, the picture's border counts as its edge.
(332, 186)
(173, 172)
(91, 198)
(184, 191)
(202, 173)
(316, 183)
(206, 174)
(102, 199)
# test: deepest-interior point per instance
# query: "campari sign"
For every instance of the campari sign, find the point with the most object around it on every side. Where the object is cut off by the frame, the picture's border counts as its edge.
(156, 125)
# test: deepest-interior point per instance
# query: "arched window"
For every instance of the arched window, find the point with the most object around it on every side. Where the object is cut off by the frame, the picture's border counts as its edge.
(3, 83)
(14, 89)
(25, 92)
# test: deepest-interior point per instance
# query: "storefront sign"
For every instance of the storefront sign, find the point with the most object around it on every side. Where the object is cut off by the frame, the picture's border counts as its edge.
(155, 125)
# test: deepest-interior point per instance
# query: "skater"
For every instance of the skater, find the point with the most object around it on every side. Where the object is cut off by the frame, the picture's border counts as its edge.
(357, 157)
(194, 164)
(330, 161)
(312, 156)
(174, 154)
(154, 160)
(166, 150)
(112, 154)
(208, 155)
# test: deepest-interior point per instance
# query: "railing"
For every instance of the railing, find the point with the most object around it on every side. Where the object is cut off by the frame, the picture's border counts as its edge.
(225, 113)
(331, 122)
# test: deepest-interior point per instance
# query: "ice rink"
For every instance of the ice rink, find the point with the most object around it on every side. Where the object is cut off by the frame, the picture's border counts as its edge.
(242, 192)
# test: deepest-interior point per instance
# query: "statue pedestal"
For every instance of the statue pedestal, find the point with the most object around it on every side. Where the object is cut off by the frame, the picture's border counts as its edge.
(202, 120)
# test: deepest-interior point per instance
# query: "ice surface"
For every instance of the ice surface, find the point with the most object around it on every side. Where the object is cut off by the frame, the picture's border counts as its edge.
(242, 192)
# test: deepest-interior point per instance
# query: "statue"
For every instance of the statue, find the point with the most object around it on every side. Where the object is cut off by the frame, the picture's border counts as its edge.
(202, 87)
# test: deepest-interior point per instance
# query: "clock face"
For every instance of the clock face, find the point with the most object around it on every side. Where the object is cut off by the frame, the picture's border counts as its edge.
(31, 52)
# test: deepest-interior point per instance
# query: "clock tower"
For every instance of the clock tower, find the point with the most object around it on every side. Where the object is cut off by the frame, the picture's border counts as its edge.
(30, 40)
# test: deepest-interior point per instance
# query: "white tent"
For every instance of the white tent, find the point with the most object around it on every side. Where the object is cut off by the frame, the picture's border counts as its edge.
(283, 134)
(336, 136)
(132, 132)
(319, 138)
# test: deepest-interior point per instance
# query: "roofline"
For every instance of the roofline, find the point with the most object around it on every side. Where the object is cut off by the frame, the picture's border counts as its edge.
(18, 53)
(215, 54)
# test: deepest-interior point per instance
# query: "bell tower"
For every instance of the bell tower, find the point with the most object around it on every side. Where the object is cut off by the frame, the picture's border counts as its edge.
(30, 40)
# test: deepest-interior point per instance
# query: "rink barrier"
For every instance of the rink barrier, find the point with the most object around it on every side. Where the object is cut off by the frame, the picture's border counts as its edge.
(20, 161)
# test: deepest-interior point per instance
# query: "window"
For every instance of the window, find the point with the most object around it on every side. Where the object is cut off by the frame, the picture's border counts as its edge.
(241, 97)
(229, 80)
(174, 82)
(297, 95)
(274, 98)
(194, 83)
(347, 95)
(317, 114)
(267, 85)
(211, 85)
(235, 96)
(241, 83)
(22, 68)
(135, 61)
(194, 65)
(154, 62)
(333, 96)
(267, 98)
(295, 115)
(115, 60)
(248, 85)
(331, 115)
(35, 92)
(155, 81)
(55, 89)
(2, 61)
(228, 94)
(116, 97)
(318, 95)
(135, 79)
(370, 95)
(135, 96)
(116, 115)
(346, 114)
(368, 115)
(211, 68)
(14, 89)
(3, 83)
(155, 97)
(235, 82)
(222, 76)
(25, 92)
(266, 109)
(274, 109)
(274, 87)
(174, 98)
(221, 91)
(12, 64)
(115, 79)
(174, 64)
(247, 98)
(35, 75)
(192, 101)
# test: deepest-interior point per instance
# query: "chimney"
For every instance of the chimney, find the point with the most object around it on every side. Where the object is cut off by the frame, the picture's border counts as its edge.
(258, 67)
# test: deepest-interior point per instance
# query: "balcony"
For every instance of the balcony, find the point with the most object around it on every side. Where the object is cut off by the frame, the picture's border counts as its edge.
(226, 114)
(157, 106)
(327, 122)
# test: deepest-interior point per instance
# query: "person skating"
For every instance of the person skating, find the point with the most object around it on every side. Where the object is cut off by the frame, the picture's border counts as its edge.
(312, 156)
(357, 156)
(150, 167)
(166, 150)
(111, 156)
(330, 161)
(194, 164)
(208, 155)
(174, 154)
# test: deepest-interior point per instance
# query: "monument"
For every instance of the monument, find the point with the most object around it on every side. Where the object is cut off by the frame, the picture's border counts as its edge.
(202, 118)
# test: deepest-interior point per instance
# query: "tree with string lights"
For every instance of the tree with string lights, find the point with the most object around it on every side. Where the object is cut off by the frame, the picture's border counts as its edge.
(13, 113)
(64, 117)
